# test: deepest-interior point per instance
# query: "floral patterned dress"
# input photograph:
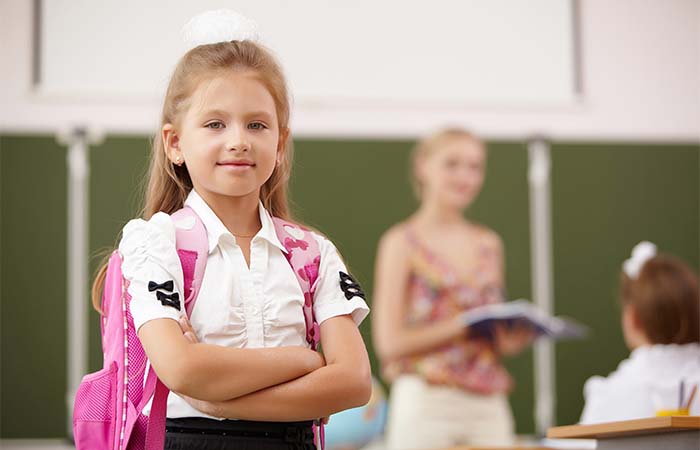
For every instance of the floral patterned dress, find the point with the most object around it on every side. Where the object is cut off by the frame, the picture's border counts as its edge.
(436, 291)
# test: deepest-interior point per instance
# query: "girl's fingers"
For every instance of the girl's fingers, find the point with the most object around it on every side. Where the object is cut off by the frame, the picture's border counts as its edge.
(191, 337)
(523, 334)
(199, 405)
(187, 330)
(184, 324)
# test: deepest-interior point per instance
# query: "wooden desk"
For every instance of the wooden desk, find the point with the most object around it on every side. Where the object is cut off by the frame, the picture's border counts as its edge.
(515, 447)
(501, 448)
(654, 433)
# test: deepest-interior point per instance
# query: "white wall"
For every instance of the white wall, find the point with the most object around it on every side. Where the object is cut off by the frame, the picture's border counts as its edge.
(640, 77)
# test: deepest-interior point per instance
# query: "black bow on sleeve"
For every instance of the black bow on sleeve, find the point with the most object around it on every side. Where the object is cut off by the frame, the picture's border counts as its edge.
(350, 287)
(169, 299)
(167, 286)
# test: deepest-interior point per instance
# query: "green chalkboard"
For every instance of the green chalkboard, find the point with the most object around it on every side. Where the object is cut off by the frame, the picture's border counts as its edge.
(605, 198)
(33, 287)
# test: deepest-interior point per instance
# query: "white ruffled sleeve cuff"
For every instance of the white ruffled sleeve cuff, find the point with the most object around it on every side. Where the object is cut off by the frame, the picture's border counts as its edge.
(149, 255)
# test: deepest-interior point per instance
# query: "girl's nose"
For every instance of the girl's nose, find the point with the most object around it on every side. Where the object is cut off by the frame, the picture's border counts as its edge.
(238, 140)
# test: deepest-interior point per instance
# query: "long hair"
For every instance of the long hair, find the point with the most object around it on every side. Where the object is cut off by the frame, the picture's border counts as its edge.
(168, 185)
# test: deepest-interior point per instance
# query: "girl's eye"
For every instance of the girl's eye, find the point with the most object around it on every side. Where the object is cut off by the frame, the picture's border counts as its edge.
(215, 125)
(257, 126)
(451, 163)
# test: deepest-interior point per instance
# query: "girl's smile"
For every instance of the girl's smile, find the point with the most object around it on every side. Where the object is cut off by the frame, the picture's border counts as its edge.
(237, 165)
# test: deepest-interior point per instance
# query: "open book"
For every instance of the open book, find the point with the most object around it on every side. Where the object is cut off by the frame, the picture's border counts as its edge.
(482, 319)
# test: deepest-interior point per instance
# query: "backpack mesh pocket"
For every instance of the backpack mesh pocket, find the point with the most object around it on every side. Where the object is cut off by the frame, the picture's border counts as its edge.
(94, 420)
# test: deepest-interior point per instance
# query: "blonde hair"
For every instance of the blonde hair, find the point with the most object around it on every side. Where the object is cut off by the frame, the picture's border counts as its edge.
(168, 184)
(430, 145)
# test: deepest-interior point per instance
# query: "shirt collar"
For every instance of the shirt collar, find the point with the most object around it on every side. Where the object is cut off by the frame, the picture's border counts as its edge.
(216, 229)
(267, 231)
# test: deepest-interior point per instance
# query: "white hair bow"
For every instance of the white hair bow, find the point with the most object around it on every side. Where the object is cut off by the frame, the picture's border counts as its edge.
(221, 25)
(641, 253)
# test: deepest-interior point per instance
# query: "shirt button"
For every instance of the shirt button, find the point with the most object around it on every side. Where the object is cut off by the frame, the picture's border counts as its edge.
(253, 310)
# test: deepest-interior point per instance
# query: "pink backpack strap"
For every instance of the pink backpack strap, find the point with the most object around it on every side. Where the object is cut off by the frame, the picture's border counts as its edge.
(193, 249)
(304, 256)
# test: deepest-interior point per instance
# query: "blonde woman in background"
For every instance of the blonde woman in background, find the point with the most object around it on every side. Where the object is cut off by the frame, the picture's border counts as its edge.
(448, 387)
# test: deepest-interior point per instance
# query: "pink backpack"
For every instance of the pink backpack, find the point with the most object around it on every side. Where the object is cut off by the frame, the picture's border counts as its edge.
(108, 404)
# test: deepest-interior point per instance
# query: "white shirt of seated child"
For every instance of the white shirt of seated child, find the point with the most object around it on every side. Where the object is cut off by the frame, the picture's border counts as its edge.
(651, 375)
(237, 306)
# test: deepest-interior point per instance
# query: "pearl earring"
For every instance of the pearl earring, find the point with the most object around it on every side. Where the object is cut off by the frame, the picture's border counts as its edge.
(177, 161)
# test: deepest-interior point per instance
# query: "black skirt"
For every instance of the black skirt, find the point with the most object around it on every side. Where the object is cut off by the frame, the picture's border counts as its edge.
(198, 433)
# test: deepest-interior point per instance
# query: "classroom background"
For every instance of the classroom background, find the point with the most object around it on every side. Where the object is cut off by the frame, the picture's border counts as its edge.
(590, 109)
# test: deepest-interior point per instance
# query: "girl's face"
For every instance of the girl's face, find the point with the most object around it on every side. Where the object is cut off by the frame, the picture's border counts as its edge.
(229, 137)
(453, 174)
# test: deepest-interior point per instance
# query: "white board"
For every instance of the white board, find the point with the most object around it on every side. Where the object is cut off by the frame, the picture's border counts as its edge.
(336, 53)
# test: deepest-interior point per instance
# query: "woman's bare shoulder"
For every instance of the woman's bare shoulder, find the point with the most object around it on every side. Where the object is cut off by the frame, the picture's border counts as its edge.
(394, 239)
(487, 235)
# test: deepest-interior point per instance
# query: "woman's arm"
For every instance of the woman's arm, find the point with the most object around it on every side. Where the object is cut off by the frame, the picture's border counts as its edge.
(509, 341)
(392, 337)
(215, 373)
(345, 382)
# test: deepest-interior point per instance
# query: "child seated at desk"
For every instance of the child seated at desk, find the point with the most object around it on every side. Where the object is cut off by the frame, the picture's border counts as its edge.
(660, 322)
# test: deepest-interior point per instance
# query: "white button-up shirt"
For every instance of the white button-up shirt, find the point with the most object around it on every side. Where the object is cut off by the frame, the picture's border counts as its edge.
(645, 382)
(237, 306)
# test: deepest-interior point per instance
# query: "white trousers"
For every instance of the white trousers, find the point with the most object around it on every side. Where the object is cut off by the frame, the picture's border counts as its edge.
(428, 417)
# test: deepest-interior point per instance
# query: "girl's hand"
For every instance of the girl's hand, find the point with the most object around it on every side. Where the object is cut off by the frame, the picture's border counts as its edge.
(187, 329)
(512, 340)
(316, 360)
(209, 408)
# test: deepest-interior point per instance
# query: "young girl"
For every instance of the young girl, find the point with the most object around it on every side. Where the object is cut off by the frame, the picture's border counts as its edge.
(661, 326)
(448, 388)
(225, 151)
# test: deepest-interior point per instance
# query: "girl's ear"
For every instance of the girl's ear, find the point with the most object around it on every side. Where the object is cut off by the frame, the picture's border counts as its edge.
(628, 327)
(632, 328)
(634, 318)
(171, 144)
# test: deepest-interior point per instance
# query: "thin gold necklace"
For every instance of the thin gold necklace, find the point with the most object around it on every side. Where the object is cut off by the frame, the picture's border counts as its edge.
(244, 236)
